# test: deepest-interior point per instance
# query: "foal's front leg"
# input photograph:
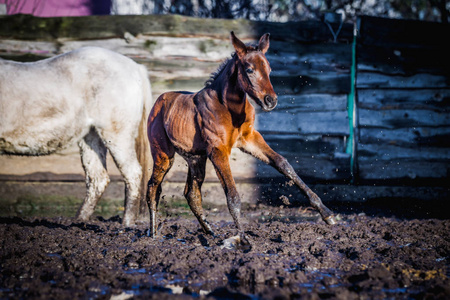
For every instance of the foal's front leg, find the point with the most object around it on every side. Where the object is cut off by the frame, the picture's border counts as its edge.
(220, 159)
(257, 146)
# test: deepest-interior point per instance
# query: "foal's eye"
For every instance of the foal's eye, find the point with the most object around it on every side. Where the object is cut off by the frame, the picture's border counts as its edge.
(249, 70)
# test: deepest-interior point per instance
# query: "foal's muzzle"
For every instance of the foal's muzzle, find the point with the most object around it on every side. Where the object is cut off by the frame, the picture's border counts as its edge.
(269, 103)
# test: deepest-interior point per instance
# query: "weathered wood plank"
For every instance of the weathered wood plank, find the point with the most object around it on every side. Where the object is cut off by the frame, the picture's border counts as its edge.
(42, 49)
(177, 84)
(306, 145)
(295, 58)
(372, 80)
(317, 168)
(412, 137)
(332, 123)
(395, 152)
(400, 118)
(312, 103)
(403, 61)
(159, 47)
(324, 123)
(409, 171)
(91, 27)
(424, 99)
(336, 52)
(62, 163)
(327, 83)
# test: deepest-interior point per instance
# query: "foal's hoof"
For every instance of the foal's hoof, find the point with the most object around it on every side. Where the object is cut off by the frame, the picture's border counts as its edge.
(245, 244)
(231, 243)
(151, 234)
(208, 230)
(330, 220)
(237, 242)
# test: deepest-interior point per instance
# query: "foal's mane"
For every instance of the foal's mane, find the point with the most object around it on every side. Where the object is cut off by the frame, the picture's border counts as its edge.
(224, 64)
(214, 75)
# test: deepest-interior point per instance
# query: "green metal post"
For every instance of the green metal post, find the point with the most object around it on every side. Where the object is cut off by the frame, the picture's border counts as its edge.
(351, 109)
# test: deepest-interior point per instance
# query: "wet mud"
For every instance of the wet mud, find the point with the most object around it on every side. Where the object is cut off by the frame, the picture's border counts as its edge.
(294, 255)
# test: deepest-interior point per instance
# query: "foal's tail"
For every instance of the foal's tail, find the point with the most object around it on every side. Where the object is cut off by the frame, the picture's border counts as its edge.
(142, 145)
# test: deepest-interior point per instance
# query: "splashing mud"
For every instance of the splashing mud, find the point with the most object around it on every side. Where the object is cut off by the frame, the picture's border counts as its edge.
(361, 257)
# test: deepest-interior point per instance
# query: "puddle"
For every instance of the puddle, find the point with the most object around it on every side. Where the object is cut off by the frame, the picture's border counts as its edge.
(136, 271)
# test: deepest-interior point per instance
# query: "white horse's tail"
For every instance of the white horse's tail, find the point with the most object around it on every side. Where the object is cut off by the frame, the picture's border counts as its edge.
(142, 145)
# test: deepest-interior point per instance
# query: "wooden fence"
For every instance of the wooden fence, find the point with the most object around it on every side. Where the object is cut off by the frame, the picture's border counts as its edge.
(400, 129)
(403, 97)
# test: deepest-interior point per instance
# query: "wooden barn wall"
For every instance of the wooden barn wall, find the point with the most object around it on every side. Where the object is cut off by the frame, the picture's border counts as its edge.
(403, 94)
(311, 75)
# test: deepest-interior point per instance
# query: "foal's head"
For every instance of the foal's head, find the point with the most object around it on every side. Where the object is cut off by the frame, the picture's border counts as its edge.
(254, 70)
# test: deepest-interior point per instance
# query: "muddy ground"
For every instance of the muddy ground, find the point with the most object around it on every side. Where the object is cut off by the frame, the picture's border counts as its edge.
(295, 255)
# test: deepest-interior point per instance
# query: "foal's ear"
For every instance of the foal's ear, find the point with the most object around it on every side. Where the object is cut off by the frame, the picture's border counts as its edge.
(264, 43)
(239, 46)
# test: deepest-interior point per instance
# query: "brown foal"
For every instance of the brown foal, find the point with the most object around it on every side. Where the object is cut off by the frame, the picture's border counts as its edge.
(207, 124)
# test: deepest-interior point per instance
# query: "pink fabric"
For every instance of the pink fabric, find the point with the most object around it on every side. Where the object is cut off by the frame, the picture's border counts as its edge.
(52, 8)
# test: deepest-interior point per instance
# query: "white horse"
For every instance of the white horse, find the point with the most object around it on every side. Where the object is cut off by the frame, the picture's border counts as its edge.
(91, 96)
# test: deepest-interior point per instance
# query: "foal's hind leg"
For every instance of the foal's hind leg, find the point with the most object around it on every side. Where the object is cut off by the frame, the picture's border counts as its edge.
(192, 191)
(163, 156)
(161, 166)
(93, 158)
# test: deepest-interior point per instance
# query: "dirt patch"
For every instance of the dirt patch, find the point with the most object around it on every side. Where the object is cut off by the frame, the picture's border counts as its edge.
(361, 257)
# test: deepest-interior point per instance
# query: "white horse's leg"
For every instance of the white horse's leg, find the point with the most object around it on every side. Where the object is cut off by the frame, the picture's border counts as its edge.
(93, 158)
(122, 149)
